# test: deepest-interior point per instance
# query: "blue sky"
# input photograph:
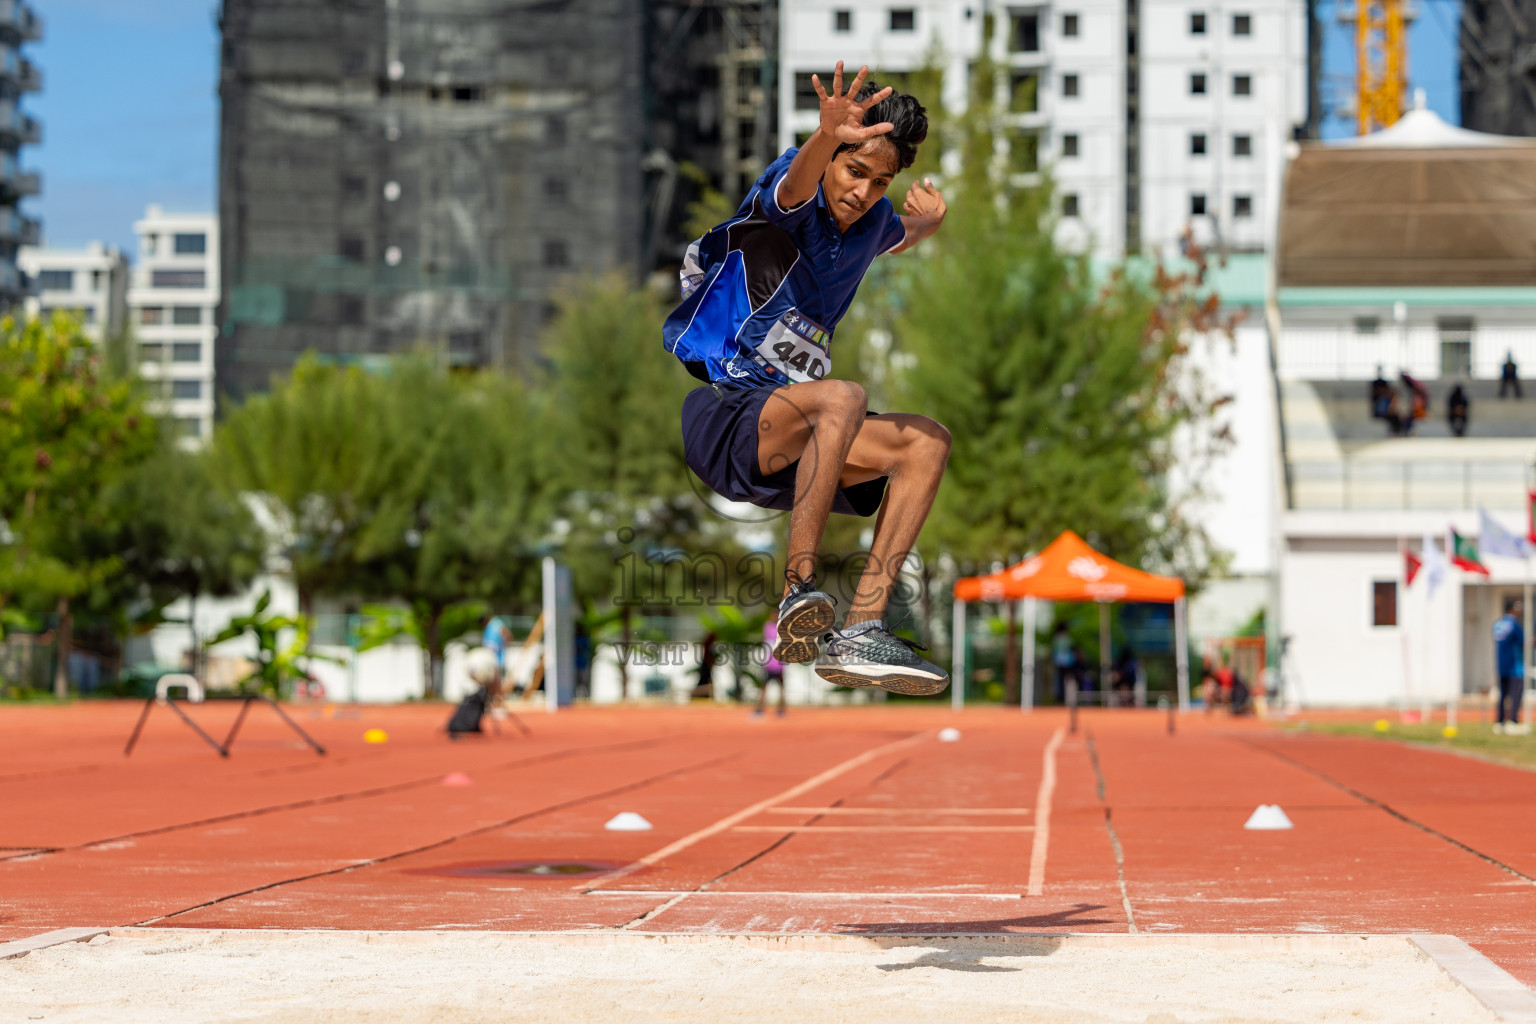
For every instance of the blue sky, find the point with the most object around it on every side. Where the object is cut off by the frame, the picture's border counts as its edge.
(130, 108)
(130, 114)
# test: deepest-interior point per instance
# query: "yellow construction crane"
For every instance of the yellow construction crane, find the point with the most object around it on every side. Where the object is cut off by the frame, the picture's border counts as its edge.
(1381, 63)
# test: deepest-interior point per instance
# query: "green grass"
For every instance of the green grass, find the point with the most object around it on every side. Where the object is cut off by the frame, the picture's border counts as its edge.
(1471, 737)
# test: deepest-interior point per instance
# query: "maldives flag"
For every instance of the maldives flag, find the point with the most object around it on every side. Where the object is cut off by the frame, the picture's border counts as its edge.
(1464, 554)
(1412, 563)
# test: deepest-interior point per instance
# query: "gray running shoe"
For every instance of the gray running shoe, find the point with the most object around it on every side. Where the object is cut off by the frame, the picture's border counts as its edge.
(805, 616)
(878, 657)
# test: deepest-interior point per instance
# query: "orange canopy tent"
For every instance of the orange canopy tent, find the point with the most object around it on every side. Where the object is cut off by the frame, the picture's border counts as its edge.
(1068, 570)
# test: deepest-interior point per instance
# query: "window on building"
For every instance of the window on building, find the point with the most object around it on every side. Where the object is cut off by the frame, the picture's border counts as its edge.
(187, 352)
(1024, 152)
(1197, 84)
(1024, 32)
(1242, 145)
(842, 21)
(1069, 204)
(56, 280)
(1024, 92)
(903, 19)
(1197, 23)
(555, 253)
(554, 131)
(1367, 325)
(189, 426)
(351, 249)
(1242, 206)
(151, 352)
(186, 315)
(1197, 144)
(95, 280)
(1069, 85)
(150, 244)
(1384, 602)
(152, 314)
(190, 244)
(468, 93)
(1242, 24)
(350, 310)
(1242, 85)
(353, 186)
(186, 389)
(1069, 26)
(178, 279)
(1197, 205)
(1069, 145)
(805, 92)
(556, 189)
(1455, 345)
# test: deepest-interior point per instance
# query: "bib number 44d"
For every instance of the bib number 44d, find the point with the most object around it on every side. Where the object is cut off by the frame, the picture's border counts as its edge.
(798, 347)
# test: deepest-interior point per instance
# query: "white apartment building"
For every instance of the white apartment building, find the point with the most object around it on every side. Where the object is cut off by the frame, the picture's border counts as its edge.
(89, 283)
(1152, 115)
(172, 300)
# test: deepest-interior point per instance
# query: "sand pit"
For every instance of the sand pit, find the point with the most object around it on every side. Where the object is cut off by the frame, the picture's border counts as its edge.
(171, 976)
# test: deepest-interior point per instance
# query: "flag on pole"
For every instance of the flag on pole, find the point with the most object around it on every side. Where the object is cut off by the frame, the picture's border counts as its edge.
(1493, 539)
(1463, 554)
(1412, 563)
(1434, 563)
(1530, 516)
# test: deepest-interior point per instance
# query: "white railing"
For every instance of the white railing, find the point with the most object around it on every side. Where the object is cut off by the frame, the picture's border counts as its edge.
(1376, 484)
(1328, 353)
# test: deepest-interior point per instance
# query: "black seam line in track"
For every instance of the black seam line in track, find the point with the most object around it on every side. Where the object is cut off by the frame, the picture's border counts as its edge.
(43, 773)
(319, 801)
(1393, 811)
(628, 787)
(1114, 836)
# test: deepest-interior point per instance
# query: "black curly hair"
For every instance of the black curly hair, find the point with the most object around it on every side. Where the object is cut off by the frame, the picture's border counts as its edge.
(905, 112)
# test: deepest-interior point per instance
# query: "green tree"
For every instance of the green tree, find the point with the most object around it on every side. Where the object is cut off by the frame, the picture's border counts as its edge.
(69, 433)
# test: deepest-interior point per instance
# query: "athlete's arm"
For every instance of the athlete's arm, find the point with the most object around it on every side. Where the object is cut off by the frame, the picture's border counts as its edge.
(925, 210)
(842, 121)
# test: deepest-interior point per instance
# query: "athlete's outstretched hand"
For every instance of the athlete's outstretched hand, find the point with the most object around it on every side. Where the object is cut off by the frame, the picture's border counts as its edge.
(923, 200)
(842, 114)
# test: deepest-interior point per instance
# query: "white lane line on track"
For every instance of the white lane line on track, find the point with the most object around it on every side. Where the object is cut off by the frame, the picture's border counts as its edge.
(1037, 853)
(883, 828)
(731, 820)
(900, 810)
(811, 895)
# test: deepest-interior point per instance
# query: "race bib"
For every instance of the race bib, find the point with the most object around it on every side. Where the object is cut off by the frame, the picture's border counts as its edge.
(797, 346)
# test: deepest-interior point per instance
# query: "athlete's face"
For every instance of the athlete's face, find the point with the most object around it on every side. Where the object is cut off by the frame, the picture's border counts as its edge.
(857, 178)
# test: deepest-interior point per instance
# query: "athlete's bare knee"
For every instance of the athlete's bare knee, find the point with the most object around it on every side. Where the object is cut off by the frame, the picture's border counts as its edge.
(844, 401)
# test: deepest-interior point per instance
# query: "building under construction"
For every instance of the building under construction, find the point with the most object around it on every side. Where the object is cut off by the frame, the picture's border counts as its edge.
(397, 174)
(1498, 66)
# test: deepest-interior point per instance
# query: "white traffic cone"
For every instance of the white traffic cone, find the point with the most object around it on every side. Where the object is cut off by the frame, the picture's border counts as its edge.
(1268, 817)
(627, 821)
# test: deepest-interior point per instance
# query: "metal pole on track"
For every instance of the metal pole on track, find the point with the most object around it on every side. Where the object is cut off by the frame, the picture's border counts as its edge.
(1027, 683)
(1181, 651)
(957, 658)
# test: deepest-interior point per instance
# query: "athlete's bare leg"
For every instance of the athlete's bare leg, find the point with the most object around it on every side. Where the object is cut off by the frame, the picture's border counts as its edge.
(823, 425)
(816, 423)
(912, 451)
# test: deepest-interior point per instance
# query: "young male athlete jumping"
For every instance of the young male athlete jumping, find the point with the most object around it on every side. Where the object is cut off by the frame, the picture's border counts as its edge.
(763, 293)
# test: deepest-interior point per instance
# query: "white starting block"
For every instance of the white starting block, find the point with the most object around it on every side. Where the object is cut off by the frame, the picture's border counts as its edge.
(187, 682)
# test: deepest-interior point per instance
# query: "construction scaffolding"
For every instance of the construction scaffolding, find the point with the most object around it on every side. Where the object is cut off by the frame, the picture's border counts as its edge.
(1381, 64)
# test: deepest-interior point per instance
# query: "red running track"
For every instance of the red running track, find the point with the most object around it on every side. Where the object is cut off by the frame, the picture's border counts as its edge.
(831, 820)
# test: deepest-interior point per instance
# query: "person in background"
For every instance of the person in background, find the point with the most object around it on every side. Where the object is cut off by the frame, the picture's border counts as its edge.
(1209, 691)
(1063, 658)
(1509, 651)
(1397, 423)
(705, 687)
(581, 649)
(496, 638)
(1457, 408)
(1509, 376)
(1381, 395)
(773, 671)
(1124, 675)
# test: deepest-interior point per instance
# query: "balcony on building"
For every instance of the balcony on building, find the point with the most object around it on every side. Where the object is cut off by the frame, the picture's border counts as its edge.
(19, 22)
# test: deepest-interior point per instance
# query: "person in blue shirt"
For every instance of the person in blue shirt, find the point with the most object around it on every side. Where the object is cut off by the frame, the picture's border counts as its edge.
(763, 294)
(1509, 649)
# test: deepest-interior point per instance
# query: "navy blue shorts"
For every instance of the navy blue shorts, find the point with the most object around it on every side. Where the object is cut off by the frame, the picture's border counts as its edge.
(720, 445)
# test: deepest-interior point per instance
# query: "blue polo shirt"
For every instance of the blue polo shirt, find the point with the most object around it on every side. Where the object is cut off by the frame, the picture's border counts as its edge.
(763, 292)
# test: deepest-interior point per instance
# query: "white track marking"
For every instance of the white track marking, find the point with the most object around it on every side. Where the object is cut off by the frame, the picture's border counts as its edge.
(811, 895)
(1043, 815)
(762, 805)
(883, 828)
(900, 810)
